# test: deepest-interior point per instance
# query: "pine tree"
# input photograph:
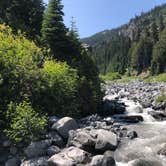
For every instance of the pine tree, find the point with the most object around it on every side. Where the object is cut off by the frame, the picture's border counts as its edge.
(24, 15)
(54, 32)
(161, 23)
(154, 32)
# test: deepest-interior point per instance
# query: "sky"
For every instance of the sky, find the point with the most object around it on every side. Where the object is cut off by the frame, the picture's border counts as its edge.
(92, 16)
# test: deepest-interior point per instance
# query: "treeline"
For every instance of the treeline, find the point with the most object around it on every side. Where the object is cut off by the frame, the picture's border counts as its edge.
(44, 69)
(137, 47)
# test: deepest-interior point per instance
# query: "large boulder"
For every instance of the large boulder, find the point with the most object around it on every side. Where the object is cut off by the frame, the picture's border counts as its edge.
(37, 149)
(129, 119)
(69, 157)
(64, 125)
(42, 161)
(106, 140)
(81, 138)
(13, 162)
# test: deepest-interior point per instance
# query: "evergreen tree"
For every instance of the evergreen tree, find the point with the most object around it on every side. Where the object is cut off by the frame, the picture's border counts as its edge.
(161, 23)
(24, 15)
(54, 32)
(154, 32)
(159, 55)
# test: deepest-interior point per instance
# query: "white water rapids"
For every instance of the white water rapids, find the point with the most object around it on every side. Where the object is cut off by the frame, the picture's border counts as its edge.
(151, 138)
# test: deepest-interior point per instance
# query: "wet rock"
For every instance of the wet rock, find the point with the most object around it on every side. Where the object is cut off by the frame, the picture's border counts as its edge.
(13, 150)
(53, 150)
(37, 149)
(144, 162)
(159, 115)
(112, 107)
(13, 162)
(132, 134)
(42, 161)
(69, 157)
(162, 151)
(64, 125)
(129, 119)
(106, 140)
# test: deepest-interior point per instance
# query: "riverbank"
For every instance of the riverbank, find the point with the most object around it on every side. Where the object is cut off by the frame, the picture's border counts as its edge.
(129, 131)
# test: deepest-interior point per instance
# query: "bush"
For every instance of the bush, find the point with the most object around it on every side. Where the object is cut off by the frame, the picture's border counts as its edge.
(58, 93)
(25, 123)
(19, 73)
(161, 99)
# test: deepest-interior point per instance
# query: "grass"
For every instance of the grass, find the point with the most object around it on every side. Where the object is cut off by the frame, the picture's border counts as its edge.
(161, 99)
(116, 77)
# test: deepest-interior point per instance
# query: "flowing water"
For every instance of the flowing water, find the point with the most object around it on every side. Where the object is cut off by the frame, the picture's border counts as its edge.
(151, 138)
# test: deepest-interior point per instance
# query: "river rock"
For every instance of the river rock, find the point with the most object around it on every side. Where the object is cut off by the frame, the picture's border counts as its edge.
(37, 149)
(55, 138)
(64, 125)
(42, 161)
(162, 151)
(106, 140)
(81, 138)
(69, 157)
(13, 162)
(112, 107)
(144, 162)
(132, 134)
(129, 119)
(53, 150)
(102, 160)
(97, 160)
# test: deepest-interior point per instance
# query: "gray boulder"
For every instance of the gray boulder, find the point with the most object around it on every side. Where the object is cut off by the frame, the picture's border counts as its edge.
(69, 157)
(102, 160)
(64, 125)
(42, 161)
(97, 160)
(13, 162)
(106, 140)
(37, 149)
(81, 138)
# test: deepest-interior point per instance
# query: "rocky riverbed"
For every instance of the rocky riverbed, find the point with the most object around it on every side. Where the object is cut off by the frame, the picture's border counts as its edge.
(130, 130)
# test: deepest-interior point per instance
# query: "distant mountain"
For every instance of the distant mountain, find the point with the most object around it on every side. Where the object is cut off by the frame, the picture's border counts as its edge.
(129, 47)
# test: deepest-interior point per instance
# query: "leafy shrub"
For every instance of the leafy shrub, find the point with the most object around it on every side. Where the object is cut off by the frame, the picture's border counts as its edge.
(25, 124)
(57, 94)
(19, 74)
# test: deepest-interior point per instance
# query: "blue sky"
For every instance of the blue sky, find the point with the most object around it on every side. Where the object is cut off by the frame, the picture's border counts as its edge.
(93, 16)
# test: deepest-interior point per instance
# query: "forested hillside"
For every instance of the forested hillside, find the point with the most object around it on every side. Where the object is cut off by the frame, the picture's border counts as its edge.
(133, 48)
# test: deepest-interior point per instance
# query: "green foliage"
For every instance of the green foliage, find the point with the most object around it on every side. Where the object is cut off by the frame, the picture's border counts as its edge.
(26, 124)
(24, 15)
(111, 76)
(54, 30)
(161, 99)
(159, 55)
(158, 78)
(19, 61)
(58, 93)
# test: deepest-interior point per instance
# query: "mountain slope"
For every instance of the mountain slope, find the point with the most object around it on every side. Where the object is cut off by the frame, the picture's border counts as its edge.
(114, 50)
